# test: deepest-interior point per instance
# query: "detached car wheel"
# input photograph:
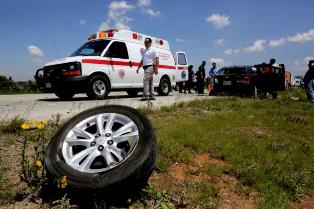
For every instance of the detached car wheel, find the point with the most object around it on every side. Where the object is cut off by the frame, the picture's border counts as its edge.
(104, 147)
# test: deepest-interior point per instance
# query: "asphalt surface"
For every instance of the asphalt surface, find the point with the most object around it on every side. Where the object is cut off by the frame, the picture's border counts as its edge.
(47, 106)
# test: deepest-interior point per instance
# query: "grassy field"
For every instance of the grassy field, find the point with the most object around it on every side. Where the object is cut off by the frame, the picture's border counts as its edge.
(219, 153)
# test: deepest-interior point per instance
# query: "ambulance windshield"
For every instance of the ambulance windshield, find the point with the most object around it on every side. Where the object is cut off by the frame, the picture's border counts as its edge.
(93, 48)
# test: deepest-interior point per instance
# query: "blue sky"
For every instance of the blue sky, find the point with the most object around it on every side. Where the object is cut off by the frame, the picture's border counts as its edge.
(229, 32)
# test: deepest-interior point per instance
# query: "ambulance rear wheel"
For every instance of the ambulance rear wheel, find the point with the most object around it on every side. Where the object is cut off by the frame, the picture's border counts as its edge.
(64, 95)
(164, 87)
(132, 92)
(98, 87)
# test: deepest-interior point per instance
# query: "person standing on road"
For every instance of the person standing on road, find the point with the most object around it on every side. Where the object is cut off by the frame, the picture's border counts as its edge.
(214, 70)
(210, 81)
(309, 81)
(189, 83)
(201, 78)
(150, 64)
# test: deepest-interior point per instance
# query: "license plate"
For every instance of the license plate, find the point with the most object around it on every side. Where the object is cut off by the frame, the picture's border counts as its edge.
(226, 83)
(48, 85)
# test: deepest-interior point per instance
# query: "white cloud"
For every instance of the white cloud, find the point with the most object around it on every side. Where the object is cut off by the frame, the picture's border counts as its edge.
(302, 37)
(120, 5)
(220, 41)
(277, 43)
(83, 22)
(307, 59)
(179, 40)
(104, 26)
(299, 67)
(218, 61)
(152, 13)
(144, 3)
(258, 46)
(117, 15)
(219, 21)
(35, 51)
(121, 25)
(232, 51)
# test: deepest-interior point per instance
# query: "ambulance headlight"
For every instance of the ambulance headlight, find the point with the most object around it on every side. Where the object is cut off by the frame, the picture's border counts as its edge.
(72, 67)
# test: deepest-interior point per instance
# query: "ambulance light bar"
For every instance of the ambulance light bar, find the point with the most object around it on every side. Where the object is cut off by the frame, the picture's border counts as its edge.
(139, 37)
(102, 34)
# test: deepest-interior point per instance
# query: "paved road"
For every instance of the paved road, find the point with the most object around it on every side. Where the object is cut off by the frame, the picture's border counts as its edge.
(44, 106)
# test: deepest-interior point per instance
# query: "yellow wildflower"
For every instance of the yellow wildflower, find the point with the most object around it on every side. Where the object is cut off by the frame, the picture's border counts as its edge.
(25, 126)
(63, 182)
(40, 126)
(44, 122)
(34, 122)
(38, 163)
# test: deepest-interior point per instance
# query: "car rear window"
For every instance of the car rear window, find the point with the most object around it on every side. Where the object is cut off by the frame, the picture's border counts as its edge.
(233, 70)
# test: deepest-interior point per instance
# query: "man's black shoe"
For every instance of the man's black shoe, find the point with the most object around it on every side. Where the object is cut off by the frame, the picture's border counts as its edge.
(151, 98)
(144, 99)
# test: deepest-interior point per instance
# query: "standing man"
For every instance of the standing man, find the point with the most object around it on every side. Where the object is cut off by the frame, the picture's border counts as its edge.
(150, 64)
(201, 78)
(267, 79)
(210, 81)
(309, 81)
(214, 70)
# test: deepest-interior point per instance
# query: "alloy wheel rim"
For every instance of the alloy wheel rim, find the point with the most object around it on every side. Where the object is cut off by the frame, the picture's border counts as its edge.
(165, 87)
(99, 87)
(100, 143)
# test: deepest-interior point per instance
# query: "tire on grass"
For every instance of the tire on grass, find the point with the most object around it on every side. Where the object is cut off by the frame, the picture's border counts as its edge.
(110, 148)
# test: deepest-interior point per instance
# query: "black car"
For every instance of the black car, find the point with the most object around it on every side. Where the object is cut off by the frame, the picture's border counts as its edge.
(235, 80)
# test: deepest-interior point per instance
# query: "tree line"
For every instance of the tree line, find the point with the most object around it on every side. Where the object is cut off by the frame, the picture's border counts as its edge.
(8, 85)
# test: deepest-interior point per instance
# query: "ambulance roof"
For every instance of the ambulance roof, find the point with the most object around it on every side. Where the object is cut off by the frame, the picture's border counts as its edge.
(129, 36)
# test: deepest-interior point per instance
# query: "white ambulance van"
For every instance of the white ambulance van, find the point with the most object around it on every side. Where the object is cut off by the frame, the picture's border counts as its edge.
(108, 62)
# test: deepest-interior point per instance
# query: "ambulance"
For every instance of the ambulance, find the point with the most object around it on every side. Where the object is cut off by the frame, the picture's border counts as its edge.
(108, 62)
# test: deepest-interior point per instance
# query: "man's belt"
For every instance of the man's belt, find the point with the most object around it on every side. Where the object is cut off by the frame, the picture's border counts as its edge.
(147, 66)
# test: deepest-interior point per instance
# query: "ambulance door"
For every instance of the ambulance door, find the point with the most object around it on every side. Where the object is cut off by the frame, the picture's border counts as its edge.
(182, 67)
(136, 80)
(120, 64)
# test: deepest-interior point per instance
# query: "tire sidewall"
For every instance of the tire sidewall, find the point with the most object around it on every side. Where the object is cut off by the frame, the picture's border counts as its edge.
(161, 92)
(58, 168)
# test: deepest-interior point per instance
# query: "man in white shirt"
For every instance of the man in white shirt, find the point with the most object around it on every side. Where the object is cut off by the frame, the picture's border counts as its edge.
(150, 64)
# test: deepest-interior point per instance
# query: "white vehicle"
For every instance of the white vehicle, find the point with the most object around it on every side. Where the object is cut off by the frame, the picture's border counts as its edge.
(108, 62)
(297, 82)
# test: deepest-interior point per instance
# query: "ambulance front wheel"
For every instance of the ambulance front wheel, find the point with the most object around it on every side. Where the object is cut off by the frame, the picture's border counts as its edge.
(98, 87)
(64, 95)
(164, 87)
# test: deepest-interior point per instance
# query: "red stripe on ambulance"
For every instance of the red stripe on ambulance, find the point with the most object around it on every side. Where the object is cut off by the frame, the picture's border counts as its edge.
(121, 63)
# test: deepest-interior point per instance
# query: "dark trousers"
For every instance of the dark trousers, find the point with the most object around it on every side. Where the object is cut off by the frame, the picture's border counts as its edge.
(200, 86)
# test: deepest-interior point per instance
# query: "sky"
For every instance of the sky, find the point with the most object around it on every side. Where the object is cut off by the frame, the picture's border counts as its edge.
(229, 32)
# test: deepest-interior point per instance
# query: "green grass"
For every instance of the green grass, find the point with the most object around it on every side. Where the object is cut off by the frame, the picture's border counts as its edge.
(264, 145)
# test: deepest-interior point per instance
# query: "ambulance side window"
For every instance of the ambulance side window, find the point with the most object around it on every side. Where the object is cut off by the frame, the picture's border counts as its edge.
(181, 59)
(117, 50)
